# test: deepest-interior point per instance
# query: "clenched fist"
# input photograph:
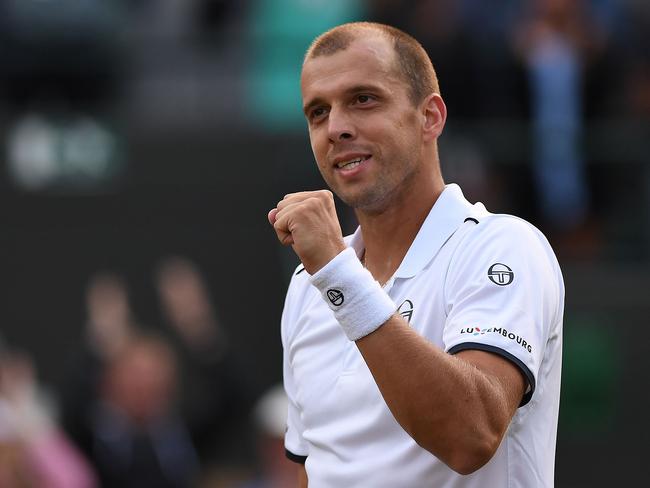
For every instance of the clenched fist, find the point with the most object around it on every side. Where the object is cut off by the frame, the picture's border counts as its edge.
(307, 221)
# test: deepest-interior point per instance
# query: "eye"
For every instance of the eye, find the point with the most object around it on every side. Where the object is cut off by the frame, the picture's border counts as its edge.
(362, 99)
(317, 113)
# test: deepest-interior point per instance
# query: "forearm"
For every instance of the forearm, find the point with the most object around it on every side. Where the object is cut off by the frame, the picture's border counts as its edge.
(432, 395)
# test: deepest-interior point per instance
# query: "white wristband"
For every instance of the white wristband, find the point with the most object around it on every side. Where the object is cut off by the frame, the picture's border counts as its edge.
(359, 303)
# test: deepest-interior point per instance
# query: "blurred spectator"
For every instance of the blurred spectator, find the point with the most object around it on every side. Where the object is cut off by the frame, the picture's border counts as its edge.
(34, 452)
(108, 328)
(215, 395)
(555, 39)
(137, 438)
(270, 418)
(121, 401)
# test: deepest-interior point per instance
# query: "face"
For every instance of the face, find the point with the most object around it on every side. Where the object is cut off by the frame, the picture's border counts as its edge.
(142, 382)
(365, 132)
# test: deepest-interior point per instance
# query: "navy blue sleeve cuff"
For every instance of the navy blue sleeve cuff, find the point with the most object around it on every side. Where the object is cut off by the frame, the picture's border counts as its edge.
(506, 355)
(294, 457)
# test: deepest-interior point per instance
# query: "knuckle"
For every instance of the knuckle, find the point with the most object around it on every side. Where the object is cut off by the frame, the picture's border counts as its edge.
(313, 202)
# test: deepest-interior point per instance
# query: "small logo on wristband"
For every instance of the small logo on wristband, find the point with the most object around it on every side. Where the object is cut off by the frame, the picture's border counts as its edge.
(335, 296)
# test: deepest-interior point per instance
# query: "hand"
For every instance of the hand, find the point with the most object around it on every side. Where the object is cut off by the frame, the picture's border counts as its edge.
(307, 221)
(109, 314)
(185, 301)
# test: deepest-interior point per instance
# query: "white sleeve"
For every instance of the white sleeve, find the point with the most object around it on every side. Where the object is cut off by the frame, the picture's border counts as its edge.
(296, 448)
(502, 294)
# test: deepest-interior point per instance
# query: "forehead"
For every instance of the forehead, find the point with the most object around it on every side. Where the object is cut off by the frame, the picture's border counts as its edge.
(364, 62)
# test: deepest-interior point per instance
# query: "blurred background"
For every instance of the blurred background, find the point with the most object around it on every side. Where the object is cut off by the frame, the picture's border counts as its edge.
(142, 143)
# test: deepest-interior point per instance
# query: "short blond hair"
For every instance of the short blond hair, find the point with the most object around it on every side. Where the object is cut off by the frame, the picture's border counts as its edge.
(413, 63)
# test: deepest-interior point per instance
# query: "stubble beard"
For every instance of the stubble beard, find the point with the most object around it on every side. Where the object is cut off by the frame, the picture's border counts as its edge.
(381, 194)
(370, 200)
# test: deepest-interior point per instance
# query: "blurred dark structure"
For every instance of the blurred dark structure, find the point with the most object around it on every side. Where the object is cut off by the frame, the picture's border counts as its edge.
(135, 130)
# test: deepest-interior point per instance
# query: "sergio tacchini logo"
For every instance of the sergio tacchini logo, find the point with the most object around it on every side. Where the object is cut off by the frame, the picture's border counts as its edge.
(500, 274)
(335, 296)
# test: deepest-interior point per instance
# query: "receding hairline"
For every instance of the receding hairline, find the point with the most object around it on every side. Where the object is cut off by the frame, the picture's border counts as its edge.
(339, 38)
(422, 79)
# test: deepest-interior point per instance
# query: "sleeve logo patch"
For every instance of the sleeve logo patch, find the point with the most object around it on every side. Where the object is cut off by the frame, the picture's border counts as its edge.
(477, 331)
(500, 274)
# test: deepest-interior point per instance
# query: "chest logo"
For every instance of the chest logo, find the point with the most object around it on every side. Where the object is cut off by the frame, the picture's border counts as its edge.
(406, 310)
(500, 274)
(335, 296)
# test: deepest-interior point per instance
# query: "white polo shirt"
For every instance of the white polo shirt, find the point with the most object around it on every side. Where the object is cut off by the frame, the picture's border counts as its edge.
(470, 280)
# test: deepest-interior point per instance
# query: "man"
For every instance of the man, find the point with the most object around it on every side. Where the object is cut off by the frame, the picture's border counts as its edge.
(424, 350)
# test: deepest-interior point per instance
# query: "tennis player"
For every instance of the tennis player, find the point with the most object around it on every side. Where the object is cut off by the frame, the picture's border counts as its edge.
(425, 349)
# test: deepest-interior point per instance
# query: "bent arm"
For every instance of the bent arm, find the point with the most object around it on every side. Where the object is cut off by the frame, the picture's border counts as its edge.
(432, 394)
(302, 476)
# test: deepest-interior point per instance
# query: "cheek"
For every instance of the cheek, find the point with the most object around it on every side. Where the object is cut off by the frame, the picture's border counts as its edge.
(319, 148)
(395, 132)
(406, 136)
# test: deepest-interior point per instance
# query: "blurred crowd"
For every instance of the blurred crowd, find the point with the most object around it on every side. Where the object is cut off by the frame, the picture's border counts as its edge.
(563, 66)
(78, 75)
(142, 406)
(95, 48)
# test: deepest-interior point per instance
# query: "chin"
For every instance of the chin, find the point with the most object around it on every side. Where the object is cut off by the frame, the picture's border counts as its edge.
(369, 202)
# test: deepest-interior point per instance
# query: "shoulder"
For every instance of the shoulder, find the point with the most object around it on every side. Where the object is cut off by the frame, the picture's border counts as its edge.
(500, 244)
(494, 232)
(499, 223)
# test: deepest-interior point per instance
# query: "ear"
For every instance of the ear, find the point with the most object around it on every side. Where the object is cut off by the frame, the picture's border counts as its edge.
(434, 114)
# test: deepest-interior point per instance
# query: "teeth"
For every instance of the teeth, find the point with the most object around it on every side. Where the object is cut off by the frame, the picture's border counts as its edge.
(350, 164)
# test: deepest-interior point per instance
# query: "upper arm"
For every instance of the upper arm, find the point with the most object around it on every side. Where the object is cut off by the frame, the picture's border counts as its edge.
(302, 476)
(503, 374)
(503, 293)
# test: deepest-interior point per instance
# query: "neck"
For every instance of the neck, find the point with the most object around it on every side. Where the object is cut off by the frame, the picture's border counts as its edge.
(388, 235)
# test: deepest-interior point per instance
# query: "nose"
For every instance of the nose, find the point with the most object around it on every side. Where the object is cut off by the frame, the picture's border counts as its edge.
(340, 125)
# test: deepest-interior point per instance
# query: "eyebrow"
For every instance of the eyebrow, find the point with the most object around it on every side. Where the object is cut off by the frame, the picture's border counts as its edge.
(349, 91)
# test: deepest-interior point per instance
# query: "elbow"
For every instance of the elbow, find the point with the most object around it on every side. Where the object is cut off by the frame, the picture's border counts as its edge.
(469, 461)
(465, 457)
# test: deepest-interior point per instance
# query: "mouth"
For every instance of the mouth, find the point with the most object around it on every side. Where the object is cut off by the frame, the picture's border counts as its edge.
(351, 163)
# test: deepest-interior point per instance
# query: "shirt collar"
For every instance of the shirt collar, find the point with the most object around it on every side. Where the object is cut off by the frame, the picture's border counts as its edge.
(445, 217)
